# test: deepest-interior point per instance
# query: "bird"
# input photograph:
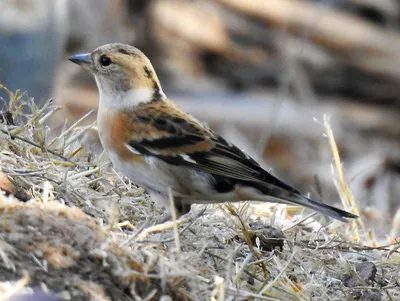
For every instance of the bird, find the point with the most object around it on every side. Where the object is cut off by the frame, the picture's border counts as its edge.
(167, 151)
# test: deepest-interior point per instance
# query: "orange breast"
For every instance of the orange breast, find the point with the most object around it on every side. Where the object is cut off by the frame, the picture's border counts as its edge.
(114, 131)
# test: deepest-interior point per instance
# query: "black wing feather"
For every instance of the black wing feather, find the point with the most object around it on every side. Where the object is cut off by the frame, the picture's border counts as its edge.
(222, 160)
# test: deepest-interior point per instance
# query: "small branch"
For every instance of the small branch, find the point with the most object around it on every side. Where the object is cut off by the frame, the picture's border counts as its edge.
(43, 148)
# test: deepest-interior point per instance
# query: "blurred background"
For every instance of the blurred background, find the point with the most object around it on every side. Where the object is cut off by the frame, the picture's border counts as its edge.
(263, 73)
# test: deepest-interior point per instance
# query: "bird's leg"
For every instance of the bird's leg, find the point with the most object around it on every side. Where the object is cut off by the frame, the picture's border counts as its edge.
(181, 207)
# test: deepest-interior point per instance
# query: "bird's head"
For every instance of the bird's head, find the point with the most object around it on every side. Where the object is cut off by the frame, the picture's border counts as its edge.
(121, 69)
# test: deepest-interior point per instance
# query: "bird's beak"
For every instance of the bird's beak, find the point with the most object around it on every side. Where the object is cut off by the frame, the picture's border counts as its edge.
(82, 60)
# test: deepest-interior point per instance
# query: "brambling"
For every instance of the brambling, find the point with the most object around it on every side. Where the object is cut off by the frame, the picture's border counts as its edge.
(161, 148)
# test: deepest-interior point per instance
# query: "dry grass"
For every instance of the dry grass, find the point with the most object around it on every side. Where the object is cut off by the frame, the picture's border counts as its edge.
(78, 229)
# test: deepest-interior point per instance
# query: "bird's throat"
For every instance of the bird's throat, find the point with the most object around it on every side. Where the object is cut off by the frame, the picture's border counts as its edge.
(131, 98)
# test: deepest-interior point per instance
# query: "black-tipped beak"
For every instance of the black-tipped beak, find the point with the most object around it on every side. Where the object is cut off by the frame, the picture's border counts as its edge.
(82, 60)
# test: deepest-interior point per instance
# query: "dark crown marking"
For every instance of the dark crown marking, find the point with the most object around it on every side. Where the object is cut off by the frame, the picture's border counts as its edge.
(149, 73)
(157, 92)
(123, 51)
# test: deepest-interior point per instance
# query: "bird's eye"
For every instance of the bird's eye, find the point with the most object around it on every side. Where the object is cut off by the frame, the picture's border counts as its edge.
(105, 61)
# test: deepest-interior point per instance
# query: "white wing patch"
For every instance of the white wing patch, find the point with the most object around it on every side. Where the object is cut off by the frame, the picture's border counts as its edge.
(188, 159)
(133, 150)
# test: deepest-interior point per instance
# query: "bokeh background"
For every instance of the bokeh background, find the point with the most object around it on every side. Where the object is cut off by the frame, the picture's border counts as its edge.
(263, 73)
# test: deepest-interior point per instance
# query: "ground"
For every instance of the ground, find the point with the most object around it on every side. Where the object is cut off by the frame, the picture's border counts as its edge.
(72, 227)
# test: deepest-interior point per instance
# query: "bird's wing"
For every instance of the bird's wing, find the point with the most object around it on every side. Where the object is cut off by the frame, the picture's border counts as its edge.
(179, 139)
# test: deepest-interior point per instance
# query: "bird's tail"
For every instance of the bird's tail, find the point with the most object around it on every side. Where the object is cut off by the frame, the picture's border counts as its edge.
(291, 198)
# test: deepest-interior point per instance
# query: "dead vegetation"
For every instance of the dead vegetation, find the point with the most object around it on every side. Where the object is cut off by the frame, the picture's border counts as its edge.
(264, 76)
(73, 227)
(81, 231)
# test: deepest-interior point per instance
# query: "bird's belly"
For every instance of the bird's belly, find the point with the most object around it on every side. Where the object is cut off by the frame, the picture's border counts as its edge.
(140, 173)
(191, 186)
(155, 175)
